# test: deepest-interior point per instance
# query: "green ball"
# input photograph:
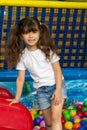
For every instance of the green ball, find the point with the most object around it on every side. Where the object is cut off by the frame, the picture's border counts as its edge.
(65, 112)
(85, 103)
(67, 117)
(36, 115)
(84, 109)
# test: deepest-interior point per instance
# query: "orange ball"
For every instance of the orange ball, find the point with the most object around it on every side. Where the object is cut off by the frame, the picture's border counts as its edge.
(76, 125)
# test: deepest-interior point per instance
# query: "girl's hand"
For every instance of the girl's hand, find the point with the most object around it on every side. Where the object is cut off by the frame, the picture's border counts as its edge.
(57, 97)
(12, 101)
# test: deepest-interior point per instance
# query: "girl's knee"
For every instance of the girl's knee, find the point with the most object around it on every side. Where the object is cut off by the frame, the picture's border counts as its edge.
(56, 117)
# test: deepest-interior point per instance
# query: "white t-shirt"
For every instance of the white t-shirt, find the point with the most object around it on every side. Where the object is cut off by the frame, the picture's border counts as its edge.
(40, 69)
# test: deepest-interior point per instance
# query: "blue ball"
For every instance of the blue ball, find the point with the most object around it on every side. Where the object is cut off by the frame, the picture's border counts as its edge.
(81, 128)
(71, 120)
(37, 121)
(85, 126)
(83, 122)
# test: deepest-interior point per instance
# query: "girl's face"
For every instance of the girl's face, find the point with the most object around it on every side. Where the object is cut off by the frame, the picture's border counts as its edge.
(31, 39)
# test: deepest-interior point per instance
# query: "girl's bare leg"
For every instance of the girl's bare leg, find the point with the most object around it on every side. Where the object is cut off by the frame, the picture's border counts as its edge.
(47, 118)
(56, 116)
(52, 116)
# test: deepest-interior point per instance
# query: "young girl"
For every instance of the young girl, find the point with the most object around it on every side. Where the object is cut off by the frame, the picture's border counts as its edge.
(39, 57)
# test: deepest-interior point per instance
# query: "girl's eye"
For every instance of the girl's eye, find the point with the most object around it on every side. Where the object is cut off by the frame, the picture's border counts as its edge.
(34, 31)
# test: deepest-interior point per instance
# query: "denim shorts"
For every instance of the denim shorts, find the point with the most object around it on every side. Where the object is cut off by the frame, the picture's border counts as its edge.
(44, 94)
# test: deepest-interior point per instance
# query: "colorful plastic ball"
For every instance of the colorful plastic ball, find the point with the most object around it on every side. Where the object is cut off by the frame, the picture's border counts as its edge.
(84, 109)
(64, 108)
(85, 103)
(77, 120)
(85, 113)
(76, 126)
(70, 107)
(68, 125)
(36, 115)
(41, 117)
(37, 127)
(42, 128)
(37, 121)
(81, 128)
(65, 112)
(71, 120)
(33, 111)
(83, 122)
(40, 112)
(63, 121)
(79, 106)
(72, 113)
(80, 114)
(75, 117)
(42, 123)
(67, 117)
(85, 126)
(32, 117)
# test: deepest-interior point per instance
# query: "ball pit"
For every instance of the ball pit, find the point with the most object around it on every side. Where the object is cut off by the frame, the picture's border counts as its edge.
(74, 117)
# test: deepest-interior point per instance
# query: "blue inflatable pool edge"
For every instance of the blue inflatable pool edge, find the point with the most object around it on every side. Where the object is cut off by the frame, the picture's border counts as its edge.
(69, 74)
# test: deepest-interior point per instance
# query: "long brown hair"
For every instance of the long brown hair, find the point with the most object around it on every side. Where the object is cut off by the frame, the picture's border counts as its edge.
(15, 43)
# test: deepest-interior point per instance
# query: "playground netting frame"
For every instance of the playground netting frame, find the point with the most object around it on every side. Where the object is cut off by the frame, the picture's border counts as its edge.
(46, 4)
(67, 22)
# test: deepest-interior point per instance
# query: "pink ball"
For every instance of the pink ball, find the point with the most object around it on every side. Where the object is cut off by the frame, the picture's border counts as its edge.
(42, 123)
(75, 117)
(35, 129)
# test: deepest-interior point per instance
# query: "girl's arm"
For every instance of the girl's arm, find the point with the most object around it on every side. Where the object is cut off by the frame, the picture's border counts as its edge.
(19, 86)
(57, 95)
(58, 74)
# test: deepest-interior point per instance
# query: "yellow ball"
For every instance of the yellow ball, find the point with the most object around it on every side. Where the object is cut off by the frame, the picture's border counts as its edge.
(68, 125)
(70, 107)
(77, 120)
(32, 117)
(72, 113)
(40, 113)
(33, 111)
(38, 127)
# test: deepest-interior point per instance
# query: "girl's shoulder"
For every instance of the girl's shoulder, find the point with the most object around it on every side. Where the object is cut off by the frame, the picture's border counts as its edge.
(24, 53)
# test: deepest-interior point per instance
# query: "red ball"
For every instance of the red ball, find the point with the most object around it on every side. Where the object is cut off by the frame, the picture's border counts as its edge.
(80, 114)
(63, 120)
(42, 128)
(85, 113)
(64, 108)
(79, 106)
